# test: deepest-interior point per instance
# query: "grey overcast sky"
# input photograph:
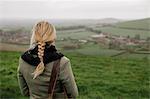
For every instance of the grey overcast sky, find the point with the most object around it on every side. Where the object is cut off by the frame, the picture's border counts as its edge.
(75, 9)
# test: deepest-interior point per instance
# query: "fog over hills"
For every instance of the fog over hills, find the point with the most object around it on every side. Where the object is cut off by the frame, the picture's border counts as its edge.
(57, 22)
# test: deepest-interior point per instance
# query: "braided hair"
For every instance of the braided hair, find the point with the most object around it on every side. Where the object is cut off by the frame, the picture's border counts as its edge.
(42, 32)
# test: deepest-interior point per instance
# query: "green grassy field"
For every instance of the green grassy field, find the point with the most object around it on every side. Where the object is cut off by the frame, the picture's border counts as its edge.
(98, 77)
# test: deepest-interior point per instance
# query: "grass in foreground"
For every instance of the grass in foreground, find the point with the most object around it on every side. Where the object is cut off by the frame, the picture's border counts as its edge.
(97, 77)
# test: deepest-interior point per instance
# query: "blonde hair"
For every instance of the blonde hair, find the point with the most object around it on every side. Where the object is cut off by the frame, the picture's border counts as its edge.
(42, 32)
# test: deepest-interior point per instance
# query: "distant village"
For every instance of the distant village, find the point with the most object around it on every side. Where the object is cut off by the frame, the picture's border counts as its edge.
(104, 39)
(120, 42)
(15, 36)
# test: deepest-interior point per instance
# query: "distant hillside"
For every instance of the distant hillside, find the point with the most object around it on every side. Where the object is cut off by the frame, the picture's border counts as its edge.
(129, 28)
(28, 23)
(141, 24)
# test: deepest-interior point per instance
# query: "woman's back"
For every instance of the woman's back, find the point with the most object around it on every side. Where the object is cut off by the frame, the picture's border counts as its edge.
(39, 87)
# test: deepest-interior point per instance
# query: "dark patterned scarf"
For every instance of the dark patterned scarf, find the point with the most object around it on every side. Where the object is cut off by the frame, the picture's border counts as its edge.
(50, 54)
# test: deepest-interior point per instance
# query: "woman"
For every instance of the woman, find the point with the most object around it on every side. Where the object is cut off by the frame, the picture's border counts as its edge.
(35, 66)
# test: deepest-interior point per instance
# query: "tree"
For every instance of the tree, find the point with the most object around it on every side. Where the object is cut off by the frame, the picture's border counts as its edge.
(137, 36)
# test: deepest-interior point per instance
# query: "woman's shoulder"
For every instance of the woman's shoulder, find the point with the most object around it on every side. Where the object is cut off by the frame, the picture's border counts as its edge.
(64, 60)
(23, 63)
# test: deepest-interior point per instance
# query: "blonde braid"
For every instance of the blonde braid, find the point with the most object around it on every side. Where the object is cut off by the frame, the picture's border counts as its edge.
(43, 32)
(40, 68)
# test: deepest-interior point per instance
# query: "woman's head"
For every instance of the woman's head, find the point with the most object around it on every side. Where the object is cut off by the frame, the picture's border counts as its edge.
(42, 32)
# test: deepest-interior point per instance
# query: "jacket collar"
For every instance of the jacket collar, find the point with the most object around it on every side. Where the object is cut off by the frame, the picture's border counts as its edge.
(50, 54)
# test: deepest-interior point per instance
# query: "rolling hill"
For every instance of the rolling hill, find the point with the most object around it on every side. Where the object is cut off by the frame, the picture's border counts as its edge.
(141, 24)
(129, 28)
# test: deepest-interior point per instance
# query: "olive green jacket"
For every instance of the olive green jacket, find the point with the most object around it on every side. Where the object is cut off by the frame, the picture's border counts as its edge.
(38, 88)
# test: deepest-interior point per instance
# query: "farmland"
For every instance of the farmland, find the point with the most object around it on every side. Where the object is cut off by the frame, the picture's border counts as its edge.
(125, 32)
(99, 75)
(129, 28)
(142, 24)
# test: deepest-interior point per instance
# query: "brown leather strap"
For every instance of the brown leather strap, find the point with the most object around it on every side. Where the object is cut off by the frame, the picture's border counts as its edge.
(53, 79)
(65, 93)
(54, 75)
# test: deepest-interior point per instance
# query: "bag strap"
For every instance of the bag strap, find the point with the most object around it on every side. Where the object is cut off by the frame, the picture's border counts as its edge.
(53, 79)
(54, 76)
